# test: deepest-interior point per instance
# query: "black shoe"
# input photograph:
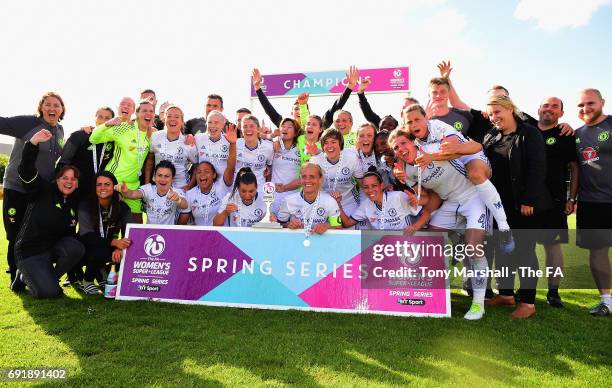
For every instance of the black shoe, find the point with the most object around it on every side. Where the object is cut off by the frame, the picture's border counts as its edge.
(18, 284)
(506, 241)
(489, 294)
(601, 310)
(554, 300)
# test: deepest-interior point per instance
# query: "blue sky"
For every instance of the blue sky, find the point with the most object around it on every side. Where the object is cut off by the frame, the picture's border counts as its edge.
(94, 53)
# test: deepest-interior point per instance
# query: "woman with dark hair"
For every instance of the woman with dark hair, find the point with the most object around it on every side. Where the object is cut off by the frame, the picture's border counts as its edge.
(51, 111)
(286, 163)
(308, 143)
(253, 152)
(102, 218)
(242, 206)
(204, 200)
(342, 168)
(517, 154)
(386, 158)
(162, 202)
(170, 144)
(383, 210)
(48, 232)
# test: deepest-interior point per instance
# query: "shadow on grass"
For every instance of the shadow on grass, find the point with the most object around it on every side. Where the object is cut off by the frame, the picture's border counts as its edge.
(136, 343)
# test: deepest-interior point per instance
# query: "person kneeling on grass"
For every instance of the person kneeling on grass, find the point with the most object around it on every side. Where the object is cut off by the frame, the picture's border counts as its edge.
(102, 217)
(161, 200)
(48, 231)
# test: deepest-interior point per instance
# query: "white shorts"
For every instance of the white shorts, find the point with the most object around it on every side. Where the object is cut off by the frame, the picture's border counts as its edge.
(470, 214)
(465, 159)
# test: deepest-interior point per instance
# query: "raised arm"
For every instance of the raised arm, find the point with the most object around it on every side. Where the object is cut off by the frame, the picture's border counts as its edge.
(27, 168)
(263, 100)
(231, 136)
(453, 97)
(352, 77)
(302, 100)
(366, 109)
(18, 126)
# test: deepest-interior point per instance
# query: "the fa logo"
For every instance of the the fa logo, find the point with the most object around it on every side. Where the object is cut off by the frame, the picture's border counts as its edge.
(154, 245)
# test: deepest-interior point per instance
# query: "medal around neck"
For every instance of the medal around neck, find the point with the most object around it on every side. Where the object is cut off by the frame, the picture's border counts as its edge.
(268, 197)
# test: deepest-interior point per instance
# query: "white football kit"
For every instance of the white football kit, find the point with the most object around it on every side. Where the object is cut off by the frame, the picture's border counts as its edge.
(160, 210)
(175, 151)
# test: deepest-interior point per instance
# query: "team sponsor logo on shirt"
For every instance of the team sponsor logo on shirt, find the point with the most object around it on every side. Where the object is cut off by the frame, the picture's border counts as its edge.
(551, 141)
(604, 136)
(589, 154)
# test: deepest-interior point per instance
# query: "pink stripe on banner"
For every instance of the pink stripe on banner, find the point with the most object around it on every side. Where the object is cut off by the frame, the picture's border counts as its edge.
(382, 80)
(347, 293)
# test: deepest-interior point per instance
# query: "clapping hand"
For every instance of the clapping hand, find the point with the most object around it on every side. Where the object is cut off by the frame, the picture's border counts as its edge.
(41, 136)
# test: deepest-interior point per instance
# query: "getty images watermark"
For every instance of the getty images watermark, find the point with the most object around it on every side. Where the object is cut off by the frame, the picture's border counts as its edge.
(431, 261)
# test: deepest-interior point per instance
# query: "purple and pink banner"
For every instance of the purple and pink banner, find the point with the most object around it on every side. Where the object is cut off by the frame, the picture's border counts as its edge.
(391, 79)
(341, 271)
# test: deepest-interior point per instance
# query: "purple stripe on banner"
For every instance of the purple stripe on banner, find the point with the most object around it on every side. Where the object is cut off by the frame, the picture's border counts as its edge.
(156, 265)
(278, 84)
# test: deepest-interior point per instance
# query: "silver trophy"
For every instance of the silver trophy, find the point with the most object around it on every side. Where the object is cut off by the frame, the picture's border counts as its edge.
(269, 189)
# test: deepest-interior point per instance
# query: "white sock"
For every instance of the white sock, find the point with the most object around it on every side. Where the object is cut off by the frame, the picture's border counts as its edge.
(489, 195)
(607, 299)
(479, 283)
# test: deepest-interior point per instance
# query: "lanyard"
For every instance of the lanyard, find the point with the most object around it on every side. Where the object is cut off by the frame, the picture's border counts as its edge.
(103, 233)
(383, 211)
(311, 216)
(337, 175)
(419, 177)
(139, 153)
(96, 165)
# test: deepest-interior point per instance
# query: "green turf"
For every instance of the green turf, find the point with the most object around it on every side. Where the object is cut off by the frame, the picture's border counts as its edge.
(111, 343)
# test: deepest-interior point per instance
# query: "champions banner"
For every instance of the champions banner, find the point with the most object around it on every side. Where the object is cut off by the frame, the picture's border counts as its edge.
(272, 269)
(392, 79)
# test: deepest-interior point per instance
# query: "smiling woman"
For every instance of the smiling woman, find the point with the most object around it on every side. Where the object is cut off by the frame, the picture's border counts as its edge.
(48, 232)
(132, 140)
(50, 110)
